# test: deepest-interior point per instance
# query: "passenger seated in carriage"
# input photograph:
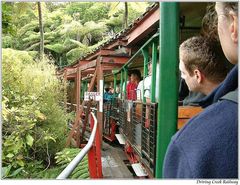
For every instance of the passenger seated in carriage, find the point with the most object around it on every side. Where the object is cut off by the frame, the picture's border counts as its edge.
(131, 89)
(108, 95)
(147, 90)
(202, 65)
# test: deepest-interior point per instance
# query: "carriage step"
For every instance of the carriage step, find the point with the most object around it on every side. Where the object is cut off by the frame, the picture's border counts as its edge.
(120, 139)
(139, 170)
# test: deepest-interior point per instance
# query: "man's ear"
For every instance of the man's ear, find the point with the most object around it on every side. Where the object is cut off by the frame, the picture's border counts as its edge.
(198, 75)
(234, 27)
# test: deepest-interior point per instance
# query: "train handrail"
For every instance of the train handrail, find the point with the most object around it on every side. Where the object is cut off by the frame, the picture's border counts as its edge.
(73, 164)
(75, 105)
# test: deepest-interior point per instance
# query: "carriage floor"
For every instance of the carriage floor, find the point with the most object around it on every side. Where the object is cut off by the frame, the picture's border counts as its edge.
(114, 162)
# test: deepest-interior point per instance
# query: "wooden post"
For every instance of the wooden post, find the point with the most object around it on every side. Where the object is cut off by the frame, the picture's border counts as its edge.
(100, 104)
(76, 123)
(74, 94)
(78, 115)
(85, 122)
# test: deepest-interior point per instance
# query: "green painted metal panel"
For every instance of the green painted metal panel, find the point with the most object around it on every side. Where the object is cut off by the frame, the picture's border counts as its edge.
(168, 79)
(114, 85)
(121, 85)
(154, 64)
(125, 80)
(114, 82)
(145, 69)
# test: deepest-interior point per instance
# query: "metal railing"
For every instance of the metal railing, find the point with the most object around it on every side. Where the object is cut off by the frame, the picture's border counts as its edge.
(73, 164)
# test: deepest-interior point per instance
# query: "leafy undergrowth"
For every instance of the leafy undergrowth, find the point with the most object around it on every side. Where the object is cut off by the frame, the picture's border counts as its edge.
(64, 157)
(34, 124)
(35, 170)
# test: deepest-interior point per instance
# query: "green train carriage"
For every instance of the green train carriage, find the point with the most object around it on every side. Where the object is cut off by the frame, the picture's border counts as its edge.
(165, 116)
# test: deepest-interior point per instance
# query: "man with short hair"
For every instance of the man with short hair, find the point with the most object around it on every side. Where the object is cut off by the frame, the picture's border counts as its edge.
(202, 64)
(207, 146)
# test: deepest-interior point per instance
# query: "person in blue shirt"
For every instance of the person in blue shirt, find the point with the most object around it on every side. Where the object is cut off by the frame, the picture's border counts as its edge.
(207, 146)
(108, 95)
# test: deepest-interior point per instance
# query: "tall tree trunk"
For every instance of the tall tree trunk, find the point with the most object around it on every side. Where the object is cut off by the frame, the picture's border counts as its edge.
(41, 30)
(125, 17)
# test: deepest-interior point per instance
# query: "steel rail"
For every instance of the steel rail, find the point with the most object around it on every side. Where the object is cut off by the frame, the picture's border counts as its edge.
(73, 164)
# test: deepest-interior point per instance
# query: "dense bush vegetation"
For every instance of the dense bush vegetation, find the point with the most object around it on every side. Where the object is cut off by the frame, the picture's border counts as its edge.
(34, 122)
(85, 22)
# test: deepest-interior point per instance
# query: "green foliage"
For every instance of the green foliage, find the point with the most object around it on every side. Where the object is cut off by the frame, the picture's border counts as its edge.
(114, 23)
(31, 170)
(78, 9)
(93, 32)
(33, 120)
(77, 53)
(85, 22)
(117, 7)
(136, 9)
(7, 173)
(72, 30)
(90, 14)
(33, 54)
(32, 38)
(35, 169)
(72, 49)
(57, 48)
(7, 17)
(64, 157)
(7, 41)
